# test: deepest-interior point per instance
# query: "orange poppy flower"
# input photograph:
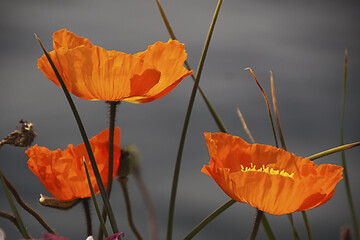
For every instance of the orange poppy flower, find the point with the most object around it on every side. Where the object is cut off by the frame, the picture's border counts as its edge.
(92, 73)
(63, 173)
(268, 178)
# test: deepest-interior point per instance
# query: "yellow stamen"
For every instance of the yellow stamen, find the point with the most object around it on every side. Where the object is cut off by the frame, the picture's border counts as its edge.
(266, 169)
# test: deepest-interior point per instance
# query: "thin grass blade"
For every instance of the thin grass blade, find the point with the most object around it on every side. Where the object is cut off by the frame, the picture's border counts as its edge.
(343, 158)
(264, 221)
(93, 197)
(267, 104)
(186, 124)
(207, 220)
(333, 150)
(214, 114)
(19, 221)
(86, 142)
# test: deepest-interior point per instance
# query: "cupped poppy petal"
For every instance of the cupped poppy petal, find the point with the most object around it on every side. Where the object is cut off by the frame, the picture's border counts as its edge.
(62, 172)
(93, 73)
(268, 178)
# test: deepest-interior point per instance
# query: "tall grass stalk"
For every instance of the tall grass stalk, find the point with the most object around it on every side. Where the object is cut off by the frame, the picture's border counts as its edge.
(186, 124)
(346, 174)
(295, 233)
(214, 114)
(19, 221)
(86, 141)
(93, 197)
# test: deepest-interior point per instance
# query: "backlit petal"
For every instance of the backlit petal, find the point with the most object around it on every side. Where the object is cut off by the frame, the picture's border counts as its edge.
(93, 73)
(268, 178)
(62, 172)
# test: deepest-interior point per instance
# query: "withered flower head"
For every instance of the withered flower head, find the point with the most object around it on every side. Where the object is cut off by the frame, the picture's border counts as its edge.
(23, 136)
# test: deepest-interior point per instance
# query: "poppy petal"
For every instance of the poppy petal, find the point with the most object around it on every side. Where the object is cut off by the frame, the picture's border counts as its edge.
(268, 178)
(93, 73)
(62, 172)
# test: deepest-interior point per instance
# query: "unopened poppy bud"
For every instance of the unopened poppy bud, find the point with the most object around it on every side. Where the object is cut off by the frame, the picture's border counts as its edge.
(23, 136)
(57, 203)
(345, 233)
(130, 157)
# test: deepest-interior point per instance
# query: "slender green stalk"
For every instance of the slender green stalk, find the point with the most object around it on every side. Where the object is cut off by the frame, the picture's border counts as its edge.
(207, 220)
(123, 183)
(307, 225)
(26, 207)
(267, 228)
(255, 230)
(186, 124)
(214, 114)
(93, 197)
(19, 222)
(346, 174)
(333, 150)
(86, 142)
(294, 231)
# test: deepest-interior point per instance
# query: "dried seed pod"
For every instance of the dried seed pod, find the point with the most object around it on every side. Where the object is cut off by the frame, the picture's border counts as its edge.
(23, 136)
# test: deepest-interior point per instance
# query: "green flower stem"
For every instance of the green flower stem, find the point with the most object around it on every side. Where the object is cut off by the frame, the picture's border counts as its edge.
(186, 124)
(333, 150)
(207, 220)
(123, 183)
(346, 174)
(294, 231)
(93, 197)
(86, 142)
(254, 232)
(214, 114)
(27, 207)
(267, 228)
(307, 225)
(19, 222)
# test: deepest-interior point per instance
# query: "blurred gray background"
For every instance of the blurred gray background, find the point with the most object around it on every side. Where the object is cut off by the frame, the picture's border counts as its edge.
(302, 42)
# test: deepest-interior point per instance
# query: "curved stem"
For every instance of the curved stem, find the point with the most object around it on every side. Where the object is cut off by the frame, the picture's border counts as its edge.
(27, 207)
(123, 183)
(9, 217)
(19, 222)
(207, 220)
